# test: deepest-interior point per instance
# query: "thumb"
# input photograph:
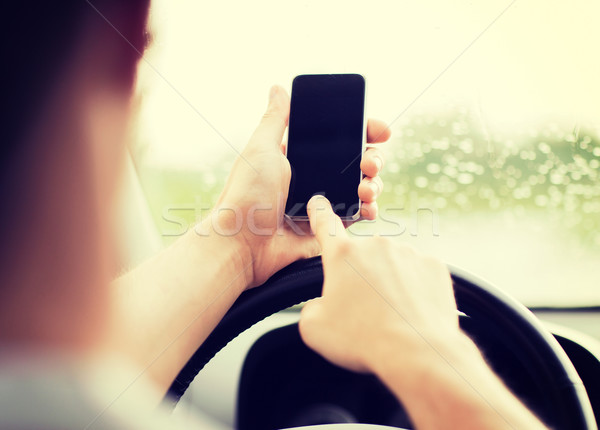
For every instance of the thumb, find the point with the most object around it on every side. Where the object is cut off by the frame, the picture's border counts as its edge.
(269, 132)
(325, 224)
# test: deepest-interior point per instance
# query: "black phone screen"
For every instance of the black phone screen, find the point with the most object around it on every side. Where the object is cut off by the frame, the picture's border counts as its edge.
(325, 141)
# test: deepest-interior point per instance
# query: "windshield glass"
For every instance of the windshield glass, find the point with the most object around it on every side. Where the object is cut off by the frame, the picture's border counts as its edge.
(494, 161)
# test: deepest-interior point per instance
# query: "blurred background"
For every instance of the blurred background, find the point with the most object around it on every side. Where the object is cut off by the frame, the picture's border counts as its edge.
(494, 160)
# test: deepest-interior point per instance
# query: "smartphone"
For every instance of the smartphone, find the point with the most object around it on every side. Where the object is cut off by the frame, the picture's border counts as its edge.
(326, 141)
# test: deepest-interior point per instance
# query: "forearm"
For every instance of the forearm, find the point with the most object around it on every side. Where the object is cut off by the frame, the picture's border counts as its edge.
(166, 307)
(450, 386)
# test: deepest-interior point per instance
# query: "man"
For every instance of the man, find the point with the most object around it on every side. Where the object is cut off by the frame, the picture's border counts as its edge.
(80, 351)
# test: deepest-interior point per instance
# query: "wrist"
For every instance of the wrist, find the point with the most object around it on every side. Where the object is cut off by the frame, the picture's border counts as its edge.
(421, 356)
(220, 239)
(445, 381)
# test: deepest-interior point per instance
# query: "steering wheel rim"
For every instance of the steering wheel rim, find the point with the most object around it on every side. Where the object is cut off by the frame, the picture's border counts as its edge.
(303, 280)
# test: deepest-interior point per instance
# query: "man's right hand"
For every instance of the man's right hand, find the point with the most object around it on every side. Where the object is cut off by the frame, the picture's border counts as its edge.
(388, 310)
(375, 292)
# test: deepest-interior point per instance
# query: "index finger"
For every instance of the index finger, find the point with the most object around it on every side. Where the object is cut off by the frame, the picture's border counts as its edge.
(325, 224)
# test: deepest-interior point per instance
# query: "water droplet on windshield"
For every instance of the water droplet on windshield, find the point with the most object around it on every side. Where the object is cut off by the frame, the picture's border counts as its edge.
(433, 168)
(465, 178)
(421, 182)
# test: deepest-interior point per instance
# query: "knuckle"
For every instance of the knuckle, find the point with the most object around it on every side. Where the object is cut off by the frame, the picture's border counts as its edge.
(382, 242)
(273, 115)
(435, 263)
(344, 248)
(270, 113)
(376, 154)
(305, 314)
(407, 249)
(304, 328)
(379, 182)
(369, 210)
(430, 260)
(307, 319)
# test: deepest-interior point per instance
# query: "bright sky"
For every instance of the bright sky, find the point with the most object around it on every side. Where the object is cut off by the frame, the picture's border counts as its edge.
(206, 79)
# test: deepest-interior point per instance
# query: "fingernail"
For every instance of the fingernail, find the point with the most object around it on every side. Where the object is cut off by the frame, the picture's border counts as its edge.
(378, 163)
(273, 92)
(317, 201)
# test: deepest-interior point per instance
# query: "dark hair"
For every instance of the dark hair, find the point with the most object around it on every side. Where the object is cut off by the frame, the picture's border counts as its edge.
(37, 40)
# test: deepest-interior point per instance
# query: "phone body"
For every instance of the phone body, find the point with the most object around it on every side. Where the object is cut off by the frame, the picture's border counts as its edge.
(326, 141)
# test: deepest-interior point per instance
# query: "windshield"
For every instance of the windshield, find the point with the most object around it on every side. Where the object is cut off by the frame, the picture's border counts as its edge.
(494, 161)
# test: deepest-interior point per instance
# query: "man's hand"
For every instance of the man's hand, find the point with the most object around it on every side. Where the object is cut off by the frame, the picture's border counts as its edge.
(168, 305)
(388, 310)
(375, 291)
(251, 207)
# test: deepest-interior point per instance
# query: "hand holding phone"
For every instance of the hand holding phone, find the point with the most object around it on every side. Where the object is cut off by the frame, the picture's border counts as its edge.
(326, 141)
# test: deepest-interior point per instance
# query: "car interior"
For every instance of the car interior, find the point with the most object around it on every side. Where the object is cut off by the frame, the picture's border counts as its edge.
(493, 166)
(263, 376)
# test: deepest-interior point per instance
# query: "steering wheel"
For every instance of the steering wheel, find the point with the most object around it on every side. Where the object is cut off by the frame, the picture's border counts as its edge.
(498, 324)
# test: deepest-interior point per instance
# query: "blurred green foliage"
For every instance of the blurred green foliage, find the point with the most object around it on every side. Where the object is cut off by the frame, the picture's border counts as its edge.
(447, 163)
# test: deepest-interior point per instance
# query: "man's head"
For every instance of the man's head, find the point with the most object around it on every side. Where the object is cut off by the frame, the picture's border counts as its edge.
(69, 70)
(41, 39)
